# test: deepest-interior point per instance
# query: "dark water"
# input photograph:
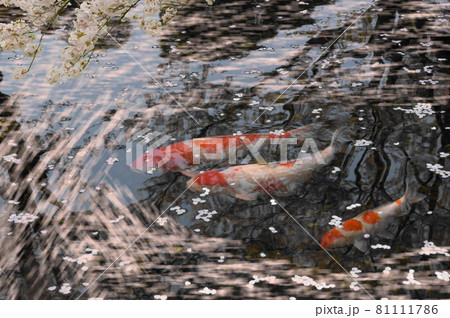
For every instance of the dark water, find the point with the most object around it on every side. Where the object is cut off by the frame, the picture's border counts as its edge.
(386, 77)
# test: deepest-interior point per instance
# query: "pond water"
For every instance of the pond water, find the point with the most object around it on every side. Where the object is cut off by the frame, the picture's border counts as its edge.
(90, 225)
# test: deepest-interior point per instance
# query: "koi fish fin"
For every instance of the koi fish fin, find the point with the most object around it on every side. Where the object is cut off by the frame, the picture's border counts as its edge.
(361, 244)
(246, 196)
(189, 173)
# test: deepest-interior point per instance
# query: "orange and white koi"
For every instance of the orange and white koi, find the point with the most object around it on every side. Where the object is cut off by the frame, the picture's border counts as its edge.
(183, 156)
(247, 182)
(370, 222)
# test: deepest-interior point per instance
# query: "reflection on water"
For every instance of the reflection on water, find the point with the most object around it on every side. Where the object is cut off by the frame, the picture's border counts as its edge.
(70, 206)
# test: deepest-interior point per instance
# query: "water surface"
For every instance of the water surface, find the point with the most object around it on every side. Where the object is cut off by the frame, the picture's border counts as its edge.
(227, 65)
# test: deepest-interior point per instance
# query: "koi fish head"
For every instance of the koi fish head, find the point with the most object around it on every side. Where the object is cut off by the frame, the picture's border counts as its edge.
(333, 238)
(153, 159)
(211, 178)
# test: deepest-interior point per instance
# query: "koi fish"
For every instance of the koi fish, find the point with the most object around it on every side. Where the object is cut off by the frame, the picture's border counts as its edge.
(180, 156)
(370, 221)
(247, 182)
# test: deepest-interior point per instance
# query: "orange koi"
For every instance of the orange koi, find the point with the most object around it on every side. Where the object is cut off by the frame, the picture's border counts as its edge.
(353, 230)
(181, 156)
(247, 182)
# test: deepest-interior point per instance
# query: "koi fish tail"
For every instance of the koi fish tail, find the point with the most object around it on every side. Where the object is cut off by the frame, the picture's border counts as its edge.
(300, 132)
(412, 194)
(339, 142)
